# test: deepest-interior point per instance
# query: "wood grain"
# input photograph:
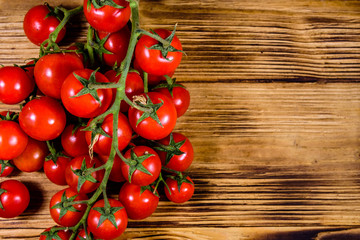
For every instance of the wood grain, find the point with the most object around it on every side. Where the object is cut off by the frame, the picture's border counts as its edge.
(274, 119)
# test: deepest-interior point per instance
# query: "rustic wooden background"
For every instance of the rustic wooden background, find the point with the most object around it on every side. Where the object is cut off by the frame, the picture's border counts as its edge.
(274, 119)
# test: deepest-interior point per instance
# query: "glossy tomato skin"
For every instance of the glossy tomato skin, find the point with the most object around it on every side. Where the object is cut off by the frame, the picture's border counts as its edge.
(15, 85)
(61, 234)
(180, 97)
(15, 199)
(72, 179)
(152, 164)
(38, 26)
(107, 18)
(75, 105)
(52, 69)
(151, 60)
(55, 172)
(138, 205)
(153, 80)
(71, 218)
(13, 140)
(74, 143)
(104, 143)
(115, 174)
(134, 85)
(186, 190)
(43, 118)
(149, 128)
(107, 230)
(7, 168)
(117, 43)
(178, 162)
(33, 157)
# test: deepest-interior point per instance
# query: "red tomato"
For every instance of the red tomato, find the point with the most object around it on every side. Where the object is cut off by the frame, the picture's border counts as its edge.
(149, 128)
(6, 168)
(76, 171)
(74, 142)
(107, 230)
(108, 18)
(151, 60)
(117, 43)
(81, 235)
(51, 234)
(15, 85)
(63, 212)
(115, 174)
(33, 157)
(38, 25)
(14, 198)
(134, 85)
(180, 97)
(13, 140)
(75, 104)
(55, 169)
(179, 196)
(103, 143)
(180, 152)
(138, 204)
(153, 80)
(43, 118)
(141, 159)
(51, 70)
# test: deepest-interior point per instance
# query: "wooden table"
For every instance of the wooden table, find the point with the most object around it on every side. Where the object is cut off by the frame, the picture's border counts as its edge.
(274, 119)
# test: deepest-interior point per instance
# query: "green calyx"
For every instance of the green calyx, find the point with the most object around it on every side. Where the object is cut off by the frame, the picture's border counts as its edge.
(51, 235)
(84, 174)
(101, 3)
(107, 213)
(172, 149)
(53, 155)
(65, 205)
(4, 164)
(10, 116)
(150, 188)
(86, 89)
(169, 84)
(180, 178)
(135, 163)
(165, 48)
(153, 108)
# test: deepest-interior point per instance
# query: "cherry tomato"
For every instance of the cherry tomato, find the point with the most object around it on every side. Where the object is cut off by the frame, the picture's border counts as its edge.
(63, 212)
(153, 80)
(52, 234)
(75, 104)
(38, 25)
(55, 169)
(151, 60)
(73, 141)
(134, 85)
(43, 118)
(82, 235)
(117, 43)
(115, 174)
(149, 128)
(15, 85)
(77, 176)
(51, 70)
(103, 143)
(107, 229)
(141, 157)
(139, 203)
(33, 157)
(180, 152)
(6, 168)
(180, 97)
(14, 198)
(13, 140)
(108, 18)
(178, 194)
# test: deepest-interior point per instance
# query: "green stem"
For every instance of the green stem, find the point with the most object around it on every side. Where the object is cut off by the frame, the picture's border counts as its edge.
(146, 82)
(154, 36)
(171, 170)
(89, 45)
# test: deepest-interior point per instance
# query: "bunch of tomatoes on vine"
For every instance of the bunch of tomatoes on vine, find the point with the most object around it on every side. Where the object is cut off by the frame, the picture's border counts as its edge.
(96, 111)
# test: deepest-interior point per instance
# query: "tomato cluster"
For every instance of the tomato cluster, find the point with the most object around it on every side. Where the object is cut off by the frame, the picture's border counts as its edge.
(92, 112)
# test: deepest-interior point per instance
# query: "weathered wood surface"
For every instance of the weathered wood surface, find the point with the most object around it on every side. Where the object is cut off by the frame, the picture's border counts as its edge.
(274, 119)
